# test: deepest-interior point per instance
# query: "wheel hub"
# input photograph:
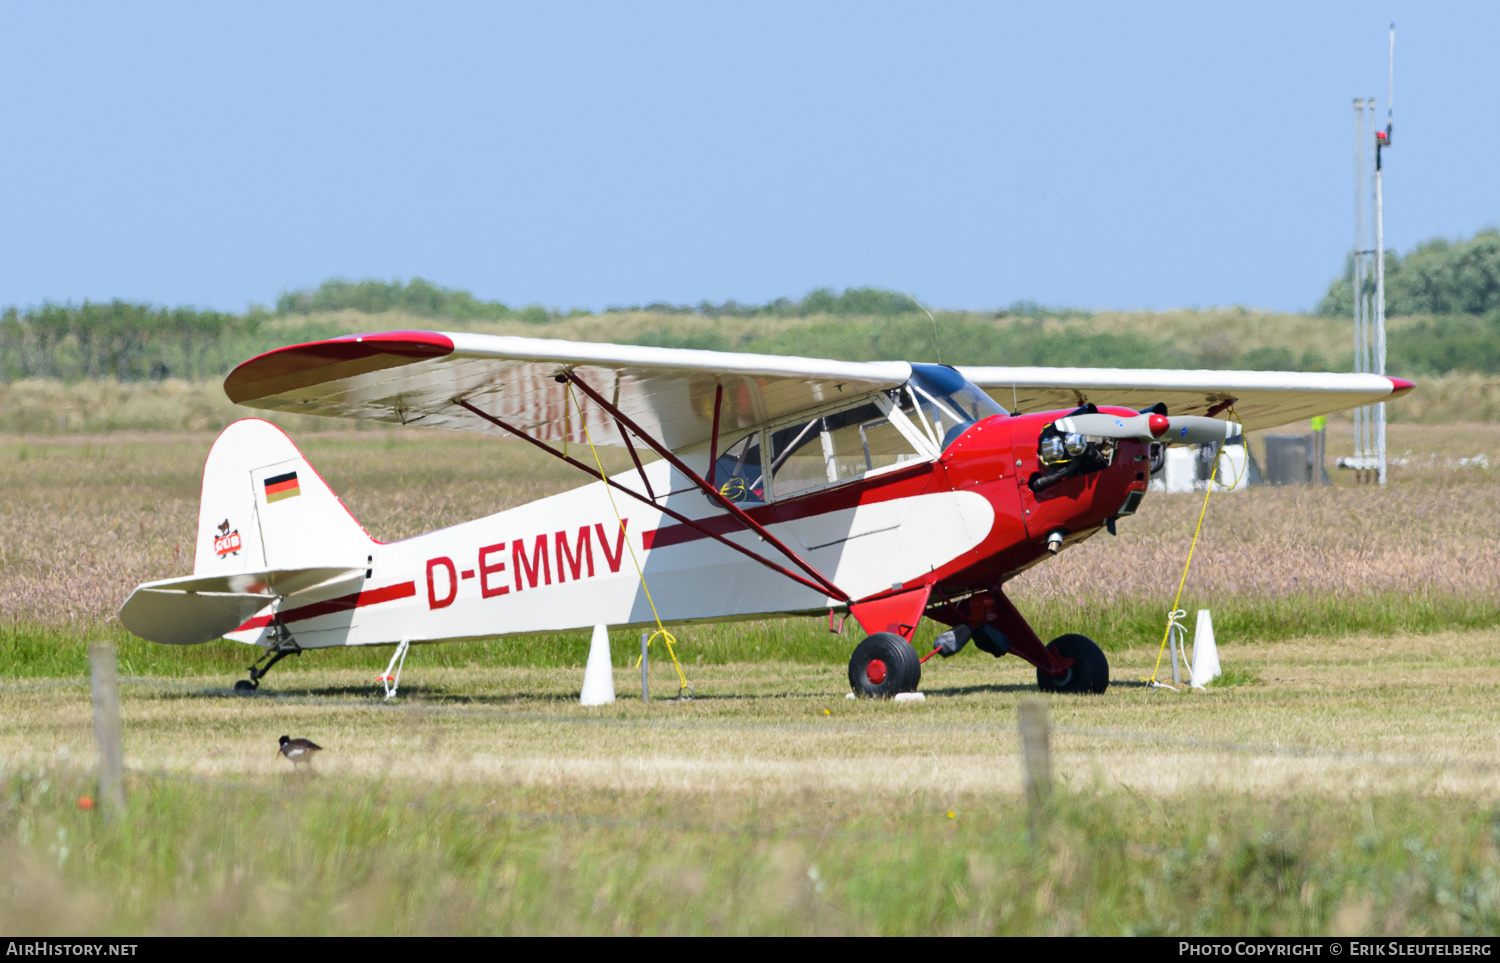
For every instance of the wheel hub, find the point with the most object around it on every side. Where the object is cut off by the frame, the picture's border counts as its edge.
(875, 671)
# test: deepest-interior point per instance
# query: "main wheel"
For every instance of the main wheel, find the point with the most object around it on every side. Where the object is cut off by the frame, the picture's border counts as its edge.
(1088, 673)
(246, 687)
(884, 665)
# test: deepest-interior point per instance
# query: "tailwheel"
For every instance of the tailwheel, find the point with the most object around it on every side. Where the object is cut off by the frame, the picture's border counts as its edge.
(884, 665)
(1089, 672)
(283, 645)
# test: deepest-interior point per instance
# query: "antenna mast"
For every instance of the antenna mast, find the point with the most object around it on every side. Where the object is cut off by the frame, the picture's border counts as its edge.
(1362, 280)
(1369, 278)
(1382, 141)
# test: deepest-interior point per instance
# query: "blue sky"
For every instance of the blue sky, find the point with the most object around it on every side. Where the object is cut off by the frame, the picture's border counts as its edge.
(582, 155)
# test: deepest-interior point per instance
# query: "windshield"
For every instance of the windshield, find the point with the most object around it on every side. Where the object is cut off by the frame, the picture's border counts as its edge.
(948, 401)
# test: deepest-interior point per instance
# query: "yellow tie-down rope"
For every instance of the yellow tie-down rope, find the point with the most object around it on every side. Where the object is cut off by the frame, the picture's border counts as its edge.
(685, 691)
(1176, 614)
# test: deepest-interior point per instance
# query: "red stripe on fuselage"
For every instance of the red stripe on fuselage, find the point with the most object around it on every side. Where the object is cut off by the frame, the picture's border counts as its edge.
(901, 483)
(344, 603)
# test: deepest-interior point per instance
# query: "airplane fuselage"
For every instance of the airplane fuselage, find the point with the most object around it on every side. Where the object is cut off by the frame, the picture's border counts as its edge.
(962, 523)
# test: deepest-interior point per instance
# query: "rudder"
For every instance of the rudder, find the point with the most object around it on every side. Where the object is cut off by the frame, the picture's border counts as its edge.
(264, 507)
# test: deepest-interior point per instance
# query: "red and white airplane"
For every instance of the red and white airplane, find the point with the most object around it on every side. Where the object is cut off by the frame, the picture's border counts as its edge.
(784, 486)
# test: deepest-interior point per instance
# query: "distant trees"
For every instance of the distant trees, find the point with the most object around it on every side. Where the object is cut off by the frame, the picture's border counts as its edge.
(122, 340)
(863, 302)
(1437, 277)
(417, 297)
(1454, 286)
(1452, 343)
(424, 299)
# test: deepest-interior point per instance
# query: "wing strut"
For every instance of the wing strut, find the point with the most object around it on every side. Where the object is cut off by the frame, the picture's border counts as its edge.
(637, 459)
(713, 444)
(827, 587)
(709, 490)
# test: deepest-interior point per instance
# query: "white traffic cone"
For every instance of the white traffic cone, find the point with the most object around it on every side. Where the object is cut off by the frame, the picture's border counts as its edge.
(1205, 653)
(599, 673)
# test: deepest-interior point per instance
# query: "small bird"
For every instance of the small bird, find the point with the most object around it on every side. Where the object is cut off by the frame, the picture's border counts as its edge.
(298, 750)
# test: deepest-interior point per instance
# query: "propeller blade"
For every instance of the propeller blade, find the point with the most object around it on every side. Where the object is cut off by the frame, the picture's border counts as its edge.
(1179, 430)
(1198, 430)
(1144, 427)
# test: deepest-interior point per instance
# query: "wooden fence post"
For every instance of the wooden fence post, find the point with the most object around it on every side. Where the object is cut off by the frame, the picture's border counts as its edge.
(1036, 759)
(105, 682)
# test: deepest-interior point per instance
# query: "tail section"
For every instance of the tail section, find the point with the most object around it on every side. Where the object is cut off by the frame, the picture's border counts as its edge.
(264, 507)
(269, 530)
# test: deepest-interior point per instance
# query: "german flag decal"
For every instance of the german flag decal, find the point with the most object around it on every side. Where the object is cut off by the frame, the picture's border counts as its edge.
(282, 486)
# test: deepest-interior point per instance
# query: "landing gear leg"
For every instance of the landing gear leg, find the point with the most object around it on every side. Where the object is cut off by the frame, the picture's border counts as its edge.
(1069, 663)
(282, 645)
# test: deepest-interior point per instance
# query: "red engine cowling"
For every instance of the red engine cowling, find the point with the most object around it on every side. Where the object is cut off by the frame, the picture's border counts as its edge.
(1000, 458)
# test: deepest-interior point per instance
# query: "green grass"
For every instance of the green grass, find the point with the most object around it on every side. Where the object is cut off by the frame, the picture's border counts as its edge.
(303, 856)
(1236, 675)
(45, 651)
(1351, 792)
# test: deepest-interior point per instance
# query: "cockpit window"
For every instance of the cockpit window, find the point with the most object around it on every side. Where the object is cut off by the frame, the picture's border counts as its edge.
(838, 447)
(738, 474)
(949, 403)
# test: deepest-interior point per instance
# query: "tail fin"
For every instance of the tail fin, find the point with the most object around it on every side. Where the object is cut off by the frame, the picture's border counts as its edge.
(264, 507)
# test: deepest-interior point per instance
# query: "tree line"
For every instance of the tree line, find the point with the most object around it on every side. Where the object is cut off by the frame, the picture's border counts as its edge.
(123, 340)
(130, 341)
(1454, 286)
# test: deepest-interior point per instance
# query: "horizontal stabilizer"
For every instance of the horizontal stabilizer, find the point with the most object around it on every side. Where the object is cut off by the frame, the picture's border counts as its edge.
(195, 609)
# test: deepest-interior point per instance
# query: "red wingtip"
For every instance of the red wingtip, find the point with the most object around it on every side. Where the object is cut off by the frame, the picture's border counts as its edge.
(300, 365)
(1399, 386)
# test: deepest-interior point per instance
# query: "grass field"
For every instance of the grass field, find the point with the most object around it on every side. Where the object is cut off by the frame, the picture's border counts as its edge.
(1353, 790)
(85, 520)
(1348, 783)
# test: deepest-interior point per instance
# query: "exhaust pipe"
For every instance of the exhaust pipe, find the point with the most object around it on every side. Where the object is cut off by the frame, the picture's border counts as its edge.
(1054, 542)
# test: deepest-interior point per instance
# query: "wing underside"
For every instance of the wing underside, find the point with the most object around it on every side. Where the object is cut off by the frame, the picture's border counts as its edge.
(1261, 399)
(417, 377)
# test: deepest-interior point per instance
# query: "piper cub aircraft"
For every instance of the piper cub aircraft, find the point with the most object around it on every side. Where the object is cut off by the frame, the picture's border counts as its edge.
(784, 486)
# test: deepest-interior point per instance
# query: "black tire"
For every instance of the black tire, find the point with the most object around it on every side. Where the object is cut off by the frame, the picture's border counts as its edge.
(245, 687)
(899, 671)
(1089, 673)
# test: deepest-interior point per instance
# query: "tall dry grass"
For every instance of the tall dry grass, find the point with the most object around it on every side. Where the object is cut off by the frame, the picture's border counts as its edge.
(43, 408)
(1349, 544)
(85, 520)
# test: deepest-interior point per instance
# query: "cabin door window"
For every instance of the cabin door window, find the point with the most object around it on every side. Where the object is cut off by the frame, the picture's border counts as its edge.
(836, 448)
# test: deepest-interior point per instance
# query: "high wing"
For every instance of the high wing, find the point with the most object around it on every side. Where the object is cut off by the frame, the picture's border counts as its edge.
(1261, 399)
(416, 378)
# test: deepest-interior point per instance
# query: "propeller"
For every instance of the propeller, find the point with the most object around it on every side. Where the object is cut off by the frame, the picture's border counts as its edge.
(1179, 430)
